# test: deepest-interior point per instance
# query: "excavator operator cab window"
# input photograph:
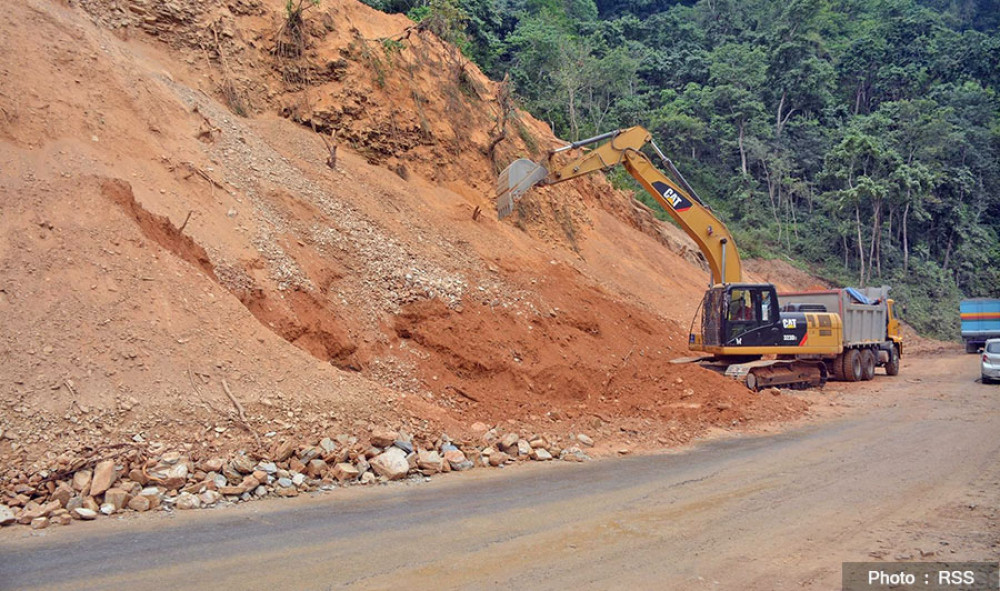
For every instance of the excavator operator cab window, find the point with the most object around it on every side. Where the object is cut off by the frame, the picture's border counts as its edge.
(750, 308)
(767, 306)
(741, 306)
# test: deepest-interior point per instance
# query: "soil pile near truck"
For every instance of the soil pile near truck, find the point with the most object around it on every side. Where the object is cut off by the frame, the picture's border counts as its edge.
(175, 245)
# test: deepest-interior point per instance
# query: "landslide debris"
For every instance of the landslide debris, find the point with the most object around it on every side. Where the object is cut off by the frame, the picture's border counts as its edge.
(190, 284)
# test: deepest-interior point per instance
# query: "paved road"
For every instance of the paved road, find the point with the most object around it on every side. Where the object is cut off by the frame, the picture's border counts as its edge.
(911, 474)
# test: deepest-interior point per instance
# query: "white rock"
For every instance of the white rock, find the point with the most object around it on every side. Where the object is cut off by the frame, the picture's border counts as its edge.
(186, 501)
(540, 454)
(585, 439)
(85, 514)
(391, 464)
(6, 515)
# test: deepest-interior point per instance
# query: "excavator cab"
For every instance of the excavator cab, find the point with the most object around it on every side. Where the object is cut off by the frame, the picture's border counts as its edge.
(739, 315)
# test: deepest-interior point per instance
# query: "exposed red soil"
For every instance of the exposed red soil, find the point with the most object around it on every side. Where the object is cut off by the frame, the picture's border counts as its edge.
(153, 244)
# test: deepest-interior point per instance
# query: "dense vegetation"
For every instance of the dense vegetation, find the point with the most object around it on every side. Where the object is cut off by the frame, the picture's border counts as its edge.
(861, 137)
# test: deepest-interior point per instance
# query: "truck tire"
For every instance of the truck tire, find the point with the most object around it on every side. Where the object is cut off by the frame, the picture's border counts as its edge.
(852, 365)
(835, 368)
(867, 364)
(892, 366)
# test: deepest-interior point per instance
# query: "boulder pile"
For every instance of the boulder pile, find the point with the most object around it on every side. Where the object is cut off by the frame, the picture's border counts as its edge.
(147, 476)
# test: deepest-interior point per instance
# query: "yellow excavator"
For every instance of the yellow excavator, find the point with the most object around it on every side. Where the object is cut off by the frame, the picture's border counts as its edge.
(740, 322)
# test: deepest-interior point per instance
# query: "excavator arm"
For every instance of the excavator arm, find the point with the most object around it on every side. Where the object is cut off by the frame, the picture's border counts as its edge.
(675, 196)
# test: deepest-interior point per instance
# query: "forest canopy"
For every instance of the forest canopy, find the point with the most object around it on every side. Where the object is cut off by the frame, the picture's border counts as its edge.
(860, 138)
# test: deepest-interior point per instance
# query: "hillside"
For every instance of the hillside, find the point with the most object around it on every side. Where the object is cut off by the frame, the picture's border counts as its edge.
(182, 271)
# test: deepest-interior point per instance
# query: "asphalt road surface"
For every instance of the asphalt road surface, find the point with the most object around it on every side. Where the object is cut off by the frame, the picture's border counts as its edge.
(909, 473)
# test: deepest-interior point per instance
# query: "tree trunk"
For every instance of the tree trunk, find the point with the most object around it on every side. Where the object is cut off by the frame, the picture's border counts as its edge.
(743, 152)
(906, 243)
(861, 243)
(873, 249)
(573, 128)
(947, 252)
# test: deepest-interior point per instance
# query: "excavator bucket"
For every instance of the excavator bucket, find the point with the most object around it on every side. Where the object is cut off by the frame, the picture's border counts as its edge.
(514, 181)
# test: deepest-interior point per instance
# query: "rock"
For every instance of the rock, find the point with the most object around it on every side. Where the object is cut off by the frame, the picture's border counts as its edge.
(213, 465)
(283, 451)
(64, 519)
(294, 465)
(523, 448)
(33, 511)
(260, 491)
(540, 454)
(138, 476)
(139, 503)
(383, 437)
(107, 508)
(403, 445)
(231, 476)
(170, 458)
(40, 523)
(267, 467)
(85, 514)
(187, 501)
(538, 442)
(315, 468)
(287, 492)
(116, 497)
(430, 461)
(479, 427)
(63, 494)
(209, 497)
(74, 503)
(285, 483)
(104, 476)
(170, 477)
(457, 460)
(260, 476)
(327, 445)
(584, 439)
(81, 480)
(242, 464)
(367, 478)
(298, 479)
(497, 458)
(345, 472)
(391, 464)
(573, 454)
(90, 503)
(508, 442)
(6, 515)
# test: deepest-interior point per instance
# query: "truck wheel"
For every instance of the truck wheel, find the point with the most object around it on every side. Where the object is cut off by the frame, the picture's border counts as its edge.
(867, 364)
(892, 366)
(852, 365)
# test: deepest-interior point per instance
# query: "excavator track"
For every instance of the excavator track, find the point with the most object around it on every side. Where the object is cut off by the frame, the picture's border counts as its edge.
(799, 374)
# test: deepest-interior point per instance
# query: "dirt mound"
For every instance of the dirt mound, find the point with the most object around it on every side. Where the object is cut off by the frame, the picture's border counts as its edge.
(155, 242)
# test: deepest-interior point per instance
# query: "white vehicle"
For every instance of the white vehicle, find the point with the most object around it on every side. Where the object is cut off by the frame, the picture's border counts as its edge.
(991, 361)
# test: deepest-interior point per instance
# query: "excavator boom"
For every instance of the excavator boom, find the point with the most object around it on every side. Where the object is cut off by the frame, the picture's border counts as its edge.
(674, 195)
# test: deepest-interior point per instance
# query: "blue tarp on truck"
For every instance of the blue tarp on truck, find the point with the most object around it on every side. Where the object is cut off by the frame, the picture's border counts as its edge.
(980, 321)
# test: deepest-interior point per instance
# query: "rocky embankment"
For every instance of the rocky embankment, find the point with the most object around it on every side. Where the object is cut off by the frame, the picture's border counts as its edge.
(148, 477)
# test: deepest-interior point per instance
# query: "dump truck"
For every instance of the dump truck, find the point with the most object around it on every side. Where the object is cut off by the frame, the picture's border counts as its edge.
(980, 321)
(870, 331)
(740, 322)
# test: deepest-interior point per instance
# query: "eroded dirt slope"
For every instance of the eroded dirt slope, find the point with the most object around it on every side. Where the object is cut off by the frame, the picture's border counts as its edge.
(172, 227)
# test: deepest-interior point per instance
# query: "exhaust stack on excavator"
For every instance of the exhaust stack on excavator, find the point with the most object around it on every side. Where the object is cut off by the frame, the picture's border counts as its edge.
(515, 181)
